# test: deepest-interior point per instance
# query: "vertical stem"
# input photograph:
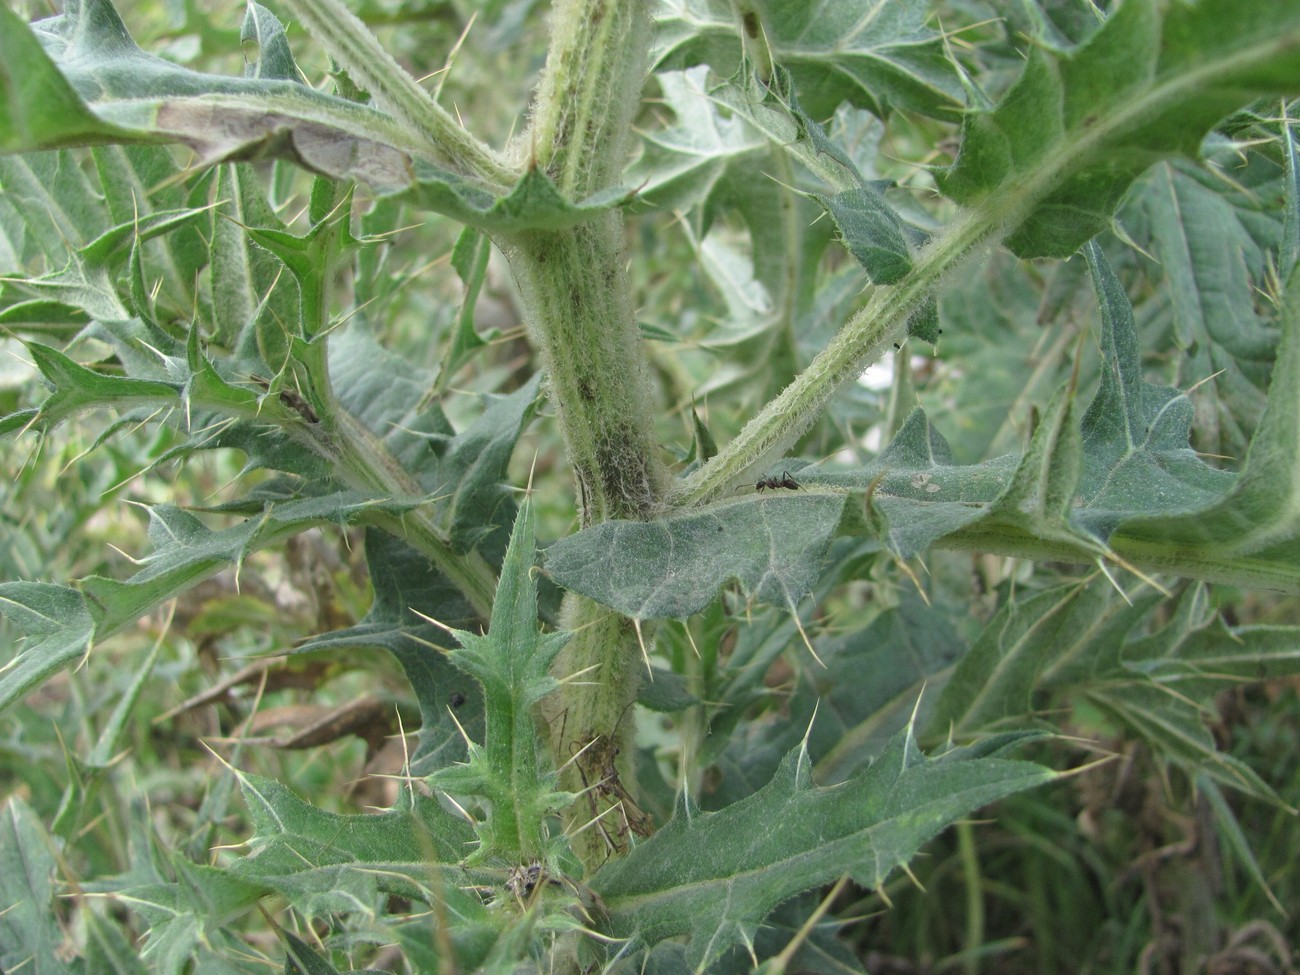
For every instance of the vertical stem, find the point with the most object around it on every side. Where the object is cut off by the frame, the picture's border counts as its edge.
(578, 303)
(588, 93)
(576, 296)
(974, 938)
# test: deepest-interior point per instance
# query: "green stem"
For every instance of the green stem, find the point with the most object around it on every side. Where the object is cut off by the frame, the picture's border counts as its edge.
(576, 297)
(970, 868)
(363, 462)
(589, 91)
(591, 727)
(862, 340)
(354, 47)
(578, 304)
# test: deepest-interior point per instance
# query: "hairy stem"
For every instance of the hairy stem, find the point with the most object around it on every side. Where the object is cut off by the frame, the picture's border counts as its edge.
(588, 92)
(591, 728)
(862, 340)
(371, 66)
(362, 461)
(576, 297)
(578, 304)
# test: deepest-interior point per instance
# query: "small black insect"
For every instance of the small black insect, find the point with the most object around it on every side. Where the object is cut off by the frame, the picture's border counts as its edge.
(456, 699)
(784, 481)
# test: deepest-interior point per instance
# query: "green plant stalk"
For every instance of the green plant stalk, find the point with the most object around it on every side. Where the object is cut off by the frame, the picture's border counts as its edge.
(577, 300)
(510, 742)
(579, 308)
(589, 92)
(578, 304)
(973, 881)
(590, 725)
(363, 462)
(862, 340)
(358, 50)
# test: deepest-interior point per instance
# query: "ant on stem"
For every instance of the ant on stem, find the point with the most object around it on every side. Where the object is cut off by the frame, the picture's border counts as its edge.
(773, 482)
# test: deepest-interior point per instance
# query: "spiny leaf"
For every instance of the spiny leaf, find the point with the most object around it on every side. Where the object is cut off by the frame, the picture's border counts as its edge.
(715, 876)
(871, 231)
(405, 584)
(1083, 645)
(1213, 243)
(78, 389)
(695, 162)
(1056, 631)
(330, 862)
(904, 650)
(54, 202)
(1256, 525)
(673, 568)
(60, 629)
(876, 56)
(38, 107)
(30, 939)
(512, 663)
(130, 96)
(1079, 125)
(64, 623)
(187, 914)
(273, 58)
(1128, 458)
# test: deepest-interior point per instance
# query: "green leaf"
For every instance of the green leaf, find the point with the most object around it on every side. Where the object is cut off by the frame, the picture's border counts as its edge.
(64, 624)
(715, 876)
(470, 259)
(880, 57)
(871, 231)
(1068, 138)
(904, 650)
(186, 550)
(1290, 251)
(60, 629)
(532, 203)
(329, 862)
(512, 663)
(85, 773)
(1083, 645)
(1207, 241)
(1255, 527)
(30, 938)
(1066, 628)
(187, 917)
(673, 567)
(255, 305)
(55, 201)
(464, 473)
(697, 161)
(262, 31)
(404, 584)
(38, 108)
(471, 478)
(108, 950)
(139, 180)
(132, 96)
(78, 389)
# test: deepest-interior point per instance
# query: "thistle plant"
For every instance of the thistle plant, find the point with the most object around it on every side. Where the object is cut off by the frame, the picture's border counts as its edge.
(779, 632)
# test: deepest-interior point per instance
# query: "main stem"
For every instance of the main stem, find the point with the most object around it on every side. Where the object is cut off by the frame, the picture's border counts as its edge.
(577, 300)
